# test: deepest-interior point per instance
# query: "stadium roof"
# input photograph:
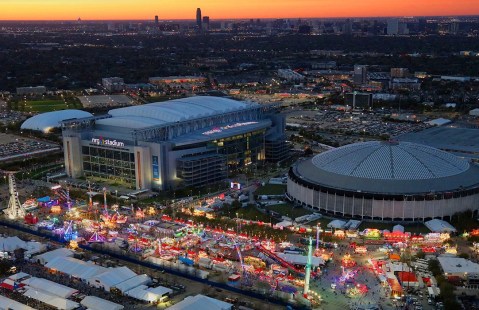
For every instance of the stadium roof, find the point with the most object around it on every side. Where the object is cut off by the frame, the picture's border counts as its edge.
(158, 113)
(390, 161)
(389, 168)
(49, 120)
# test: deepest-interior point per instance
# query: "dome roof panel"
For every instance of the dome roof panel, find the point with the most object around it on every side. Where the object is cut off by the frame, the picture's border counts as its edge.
(46, 121)
(384, 160)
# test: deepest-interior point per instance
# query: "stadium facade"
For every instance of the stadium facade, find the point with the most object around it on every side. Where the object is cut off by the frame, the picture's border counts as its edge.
(387, 181)
(193, 141)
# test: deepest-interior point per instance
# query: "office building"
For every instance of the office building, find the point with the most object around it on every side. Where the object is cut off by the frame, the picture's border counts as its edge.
(199, 25)
(359, 100)
(393, 26)
(206, 23)
(31, 90)
(399, 72)
(360, 74)
(113, 84)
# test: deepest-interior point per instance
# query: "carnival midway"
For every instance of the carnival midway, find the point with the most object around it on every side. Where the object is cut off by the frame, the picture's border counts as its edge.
(301, 268)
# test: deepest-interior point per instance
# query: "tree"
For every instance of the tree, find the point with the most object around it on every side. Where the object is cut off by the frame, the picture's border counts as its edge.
(5, 266)
(235, 205)
(420, 254)
(434, 267)
(464, 255)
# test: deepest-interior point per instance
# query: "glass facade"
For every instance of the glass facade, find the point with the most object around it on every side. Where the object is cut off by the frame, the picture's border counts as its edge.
(276, 150)
(109, 164)
(241, 150)
(201, 170)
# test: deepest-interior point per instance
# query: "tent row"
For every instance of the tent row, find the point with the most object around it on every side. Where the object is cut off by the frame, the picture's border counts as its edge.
(151, 295)
(50, 299)
(7, 303)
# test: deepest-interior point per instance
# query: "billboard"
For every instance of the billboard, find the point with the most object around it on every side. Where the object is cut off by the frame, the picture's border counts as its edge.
(156, 168)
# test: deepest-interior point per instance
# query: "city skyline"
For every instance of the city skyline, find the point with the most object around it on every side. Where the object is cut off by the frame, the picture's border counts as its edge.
(143, 10)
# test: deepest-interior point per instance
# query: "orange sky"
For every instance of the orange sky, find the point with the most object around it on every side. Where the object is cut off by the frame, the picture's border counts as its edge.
(217, 9)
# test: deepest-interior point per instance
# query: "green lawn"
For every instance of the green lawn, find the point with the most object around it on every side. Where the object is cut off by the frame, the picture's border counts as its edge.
(271, 189)
(323, 222)
(288, 210)
(251, 213)
(46, 105)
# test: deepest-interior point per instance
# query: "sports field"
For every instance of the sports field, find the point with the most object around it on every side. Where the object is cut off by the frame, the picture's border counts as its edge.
(40, 106)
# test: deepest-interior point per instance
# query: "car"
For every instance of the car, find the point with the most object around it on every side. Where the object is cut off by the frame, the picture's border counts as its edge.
(429, 301)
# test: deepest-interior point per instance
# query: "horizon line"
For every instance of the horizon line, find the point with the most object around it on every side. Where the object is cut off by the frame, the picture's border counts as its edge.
(235, 18)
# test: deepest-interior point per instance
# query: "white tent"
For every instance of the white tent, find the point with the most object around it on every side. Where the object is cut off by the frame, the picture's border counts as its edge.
(144, 293)
(160, 291)
(283, 224)
(75, 267)
(19, 276)
(133, 282)
(50, 287)
(298, 259)
(437, 225)
(201, 302)
(10, 244)
(111, 277)
(97, 303)
(338, 224)
(52, 300)
(34, 247)
(438, 122)
(7, 303)
(49, 256)
(433, 291)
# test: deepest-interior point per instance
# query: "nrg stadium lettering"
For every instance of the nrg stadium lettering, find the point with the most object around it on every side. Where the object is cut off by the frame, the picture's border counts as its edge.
(107, 142)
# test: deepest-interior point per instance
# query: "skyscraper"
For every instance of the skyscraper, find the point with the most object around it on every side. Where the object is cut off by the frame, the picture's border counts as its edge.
(156, 20)
(360, 75)
(206, 23)
(347, 27)
(198, 19)
(393, 26)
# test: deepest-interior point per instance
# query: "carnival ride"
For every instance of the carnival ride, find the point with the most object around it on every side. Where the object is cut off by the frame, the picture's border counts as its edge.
(280, 261)
(14, 209)
(347, 261)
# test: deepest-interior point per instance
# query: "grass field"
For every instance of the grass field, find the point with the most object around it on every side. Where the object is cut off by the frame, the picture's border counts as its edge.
(271, 189)
(251, 213)
(40, 106)
(288, 210)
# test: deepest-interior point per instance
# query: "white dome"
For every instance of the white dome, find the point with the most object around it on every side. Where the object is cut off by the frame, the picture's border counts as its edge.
(390, 161)
(49, 120)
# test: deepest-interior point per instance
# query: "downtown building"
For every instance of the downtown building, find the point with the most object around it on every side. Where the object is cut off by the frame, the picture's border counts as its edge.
(191, 141)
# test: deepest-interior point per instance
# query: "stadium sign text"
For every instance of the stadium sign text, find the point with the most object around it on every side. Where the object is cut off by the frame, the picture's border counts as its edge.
(220, 129)
(107, 142)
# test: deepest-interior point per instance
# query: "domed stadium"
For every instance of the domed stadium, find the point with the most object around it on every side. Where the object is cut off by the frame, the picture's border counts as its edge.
(386, 180)
(45, 122)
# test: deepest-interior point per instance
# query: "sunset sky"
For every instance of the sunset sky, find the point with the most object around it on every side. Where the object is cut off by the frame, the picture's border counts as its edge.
(218, 9)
